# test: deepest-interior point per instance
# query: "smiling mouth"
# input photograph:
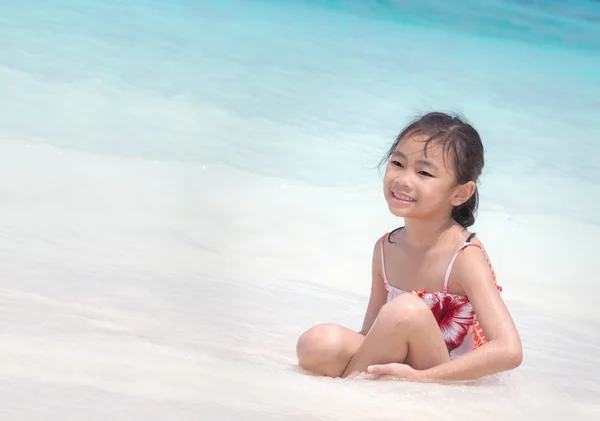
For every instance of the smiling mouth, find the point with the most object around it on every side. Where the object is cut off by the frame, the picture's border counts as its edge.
(401, 197)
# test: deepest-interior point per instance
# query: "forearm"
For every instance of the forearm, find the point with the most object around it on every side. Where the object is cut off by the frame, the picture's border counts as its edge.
(370, 317)
(488, 359)
(365, 329)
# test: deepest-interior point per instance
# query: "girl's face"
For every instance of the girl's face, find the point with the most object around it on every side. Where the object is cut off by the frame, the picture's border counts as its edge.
(419, 184)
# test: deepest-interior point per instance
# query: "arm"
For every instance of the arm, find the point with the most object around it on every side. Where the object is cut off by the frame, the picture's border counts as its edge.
(378, 292)
(503, 350)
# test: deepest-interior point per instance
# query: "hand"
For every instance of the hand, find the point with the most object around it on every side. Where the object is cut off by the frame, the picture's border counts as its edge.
(392, 371)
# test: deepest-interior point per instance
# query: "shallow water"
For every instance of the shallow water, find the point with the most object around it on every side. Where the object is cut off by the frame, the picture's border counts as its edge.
(185, 192)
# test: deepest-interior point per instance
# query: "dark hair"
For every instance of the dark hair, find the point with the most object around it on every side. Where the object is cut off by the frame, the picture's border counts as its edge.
(463, 143)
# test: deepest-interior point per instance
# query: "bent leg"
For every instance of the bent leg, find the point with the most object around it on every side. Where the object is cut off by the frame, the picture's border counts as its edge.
(405, 331)
(326, 349)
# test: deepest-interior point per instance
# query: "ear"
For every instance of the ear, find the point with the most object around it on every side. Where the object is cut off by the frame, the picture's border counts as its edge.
(462, 193)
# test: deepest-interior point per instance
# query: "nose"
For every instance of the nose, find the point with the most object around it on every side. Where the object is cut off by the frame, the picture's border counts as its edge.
(403, 181)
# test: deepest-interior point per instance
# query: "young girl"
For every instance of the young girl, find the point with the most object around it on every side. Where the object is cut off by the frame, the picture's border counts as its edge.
(435, 311)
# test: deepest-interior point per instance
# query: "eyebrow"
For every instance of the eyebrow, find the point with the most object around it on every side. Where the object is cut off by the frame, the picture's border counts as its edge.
(423, 162)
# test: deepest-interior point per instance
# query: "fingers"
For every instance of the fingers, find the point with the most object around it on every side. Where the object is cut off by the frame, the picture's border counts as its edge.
(370, 376)
(392, 371)
(380, 377)
(381, 369)
(380, 372)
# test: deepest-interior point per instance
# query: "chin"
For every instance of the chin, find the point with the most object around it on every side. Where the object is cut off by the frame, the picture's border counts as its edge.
(400, 213)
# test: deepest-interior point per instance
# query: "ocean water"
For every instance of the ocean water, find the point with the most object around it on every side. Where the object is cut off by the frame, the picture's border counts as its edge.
(189, 185)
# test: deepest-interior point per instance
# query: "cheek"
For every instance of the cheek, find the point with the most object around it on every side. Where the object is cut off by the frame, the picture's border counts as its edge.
(436, 190)
(444, 193)
(388, 177)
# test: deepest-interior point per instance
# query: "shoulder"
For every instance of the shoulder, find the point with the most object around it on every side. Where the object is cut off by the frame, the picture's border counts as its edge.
(383, 239)
(379, 245)
(472, 267)
(387, 238)
(377, 264)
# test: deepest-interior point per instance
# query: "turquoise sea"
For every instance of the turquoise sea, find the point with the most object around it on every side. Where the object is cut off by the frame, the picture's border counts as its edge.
(187, 185)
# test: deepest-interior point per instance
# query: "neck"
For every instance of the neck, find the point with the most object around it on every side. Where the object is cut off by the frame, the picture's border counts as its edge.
(425, 233)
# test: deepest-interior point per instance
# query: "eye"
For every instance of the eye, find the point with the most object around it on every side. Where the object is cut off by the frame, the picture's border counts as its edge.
(397, 164)
(425, 173)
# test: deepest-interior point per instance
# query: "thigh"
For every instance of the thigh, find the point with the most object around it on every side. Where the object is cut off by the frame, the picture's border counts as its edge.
(426, 345)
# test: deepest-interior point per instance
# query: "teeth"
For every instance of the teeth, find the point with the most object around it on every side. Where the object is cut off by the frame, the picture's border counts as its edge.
(400, 197)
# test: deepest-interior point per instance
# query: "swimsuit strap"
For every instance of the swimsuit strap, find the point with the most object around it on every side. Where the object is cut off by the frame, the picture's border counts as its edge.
(455, 255)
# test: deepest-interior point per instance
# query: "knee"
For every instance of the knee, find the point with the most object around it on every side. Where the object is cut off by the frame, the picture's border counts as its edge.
(407, 309)
(319, 345)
